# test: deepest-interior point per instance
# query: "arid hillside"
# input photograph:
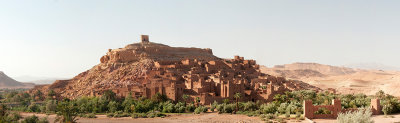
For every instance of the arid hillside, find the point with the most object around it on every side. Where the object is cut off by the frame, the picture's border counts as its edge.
(7, 82)
(147, 68)
(344, 80)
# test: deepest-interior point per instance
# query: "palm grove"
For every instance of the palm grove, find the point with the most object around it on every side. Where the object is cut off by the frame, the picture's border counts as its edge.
(287, 105)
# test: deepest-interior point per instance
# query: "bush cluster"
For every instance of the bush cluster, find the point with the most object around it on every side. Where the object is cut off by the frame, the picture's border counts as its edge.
(360, 116)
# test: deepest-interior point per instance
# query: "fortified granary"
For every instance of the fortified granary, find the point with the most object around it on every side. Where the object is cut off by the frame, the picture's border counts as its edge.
(146, 68)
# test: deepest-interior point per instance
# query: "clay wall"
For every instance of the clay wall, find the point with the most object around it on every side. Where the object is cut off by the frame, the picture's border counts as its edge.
(309, 109)
(376, 107)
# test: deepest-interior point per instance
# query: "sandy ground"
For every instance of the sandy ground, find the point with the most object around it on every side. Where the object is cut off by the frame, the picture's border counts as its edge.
(178, 118)
(377, 119)
(202, 118)
(360, 81)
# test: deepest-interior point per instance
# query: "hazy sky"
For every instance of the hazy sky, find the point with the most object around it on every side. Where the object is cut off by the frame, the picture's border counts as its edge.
(61, 38)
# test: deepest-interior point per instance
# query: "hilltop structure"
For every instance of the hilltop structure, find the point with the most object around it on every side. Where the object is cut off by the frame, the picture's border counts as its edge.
(146, 68)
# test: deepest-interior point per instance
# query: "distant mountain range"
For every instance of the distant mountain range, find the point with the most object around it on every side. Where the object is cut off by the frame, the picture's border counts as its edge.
(7, 82)
(367, 80)
(372, 66)
(37, 80)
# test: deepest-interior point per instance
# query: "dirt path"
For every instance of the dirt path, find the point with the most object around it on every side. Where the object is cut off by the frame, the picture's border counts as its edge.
(178, 118)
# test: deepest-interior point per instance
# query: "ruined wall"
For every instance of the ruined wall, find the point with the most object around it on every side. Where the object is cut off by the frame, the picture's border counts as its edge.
(309, 109)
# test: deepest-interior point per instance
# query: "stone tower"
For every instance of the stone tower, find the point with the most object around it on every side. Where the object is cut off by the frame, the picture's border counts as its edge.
(145, 38)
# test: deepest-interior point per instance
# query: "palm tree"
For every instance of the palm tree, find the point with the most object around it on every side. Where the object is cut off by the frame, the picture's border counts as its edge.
(237, 96)
(185, 97)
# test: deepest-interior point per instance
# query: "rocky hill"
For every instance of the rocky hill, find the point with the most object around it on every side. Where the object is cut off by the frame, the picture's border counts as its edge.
(147, 68)
(7, 82)
(343, 79)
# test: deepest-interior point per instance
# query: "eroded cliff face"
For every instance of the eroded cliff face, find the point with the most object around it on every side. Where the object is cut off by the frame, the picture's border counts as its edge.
(147, 68)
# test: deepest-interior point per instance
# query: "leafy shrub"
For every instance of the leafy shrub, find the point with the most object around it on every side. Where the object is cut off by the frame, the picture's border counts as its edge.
(226, 101)
(113, 106)
(269, 116)
(360, 116)
(280, 120)
(294, 107)
(12, 117)
(33, 108)
(268, 108)
(249, 106)
(153, 114)
(190, 107)
(31, 119)
(179, 107)
(139, 115)
(323, 111)
(110, 115)
(168, 107)
(226, 108)
(34, 119)
(386, 109)
(200, 109)
(250, 113)
(213, 106)
(121, 114)
(282, 108)
(144, 106)
(51, 106)
(229, 108)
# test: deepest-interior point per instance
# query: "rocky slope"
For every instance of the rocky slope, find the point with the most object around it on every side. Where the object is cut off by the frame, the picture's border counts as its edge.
(135, 65)
(7, 82)
(342, 79)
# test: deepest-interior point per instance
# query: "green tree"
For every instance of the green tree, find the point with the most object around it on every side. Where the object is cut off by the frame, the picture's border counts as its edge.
(113, 106)
(109, 95)
(237, 96)
(127, 103)
(380, 94)
(67, 112)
